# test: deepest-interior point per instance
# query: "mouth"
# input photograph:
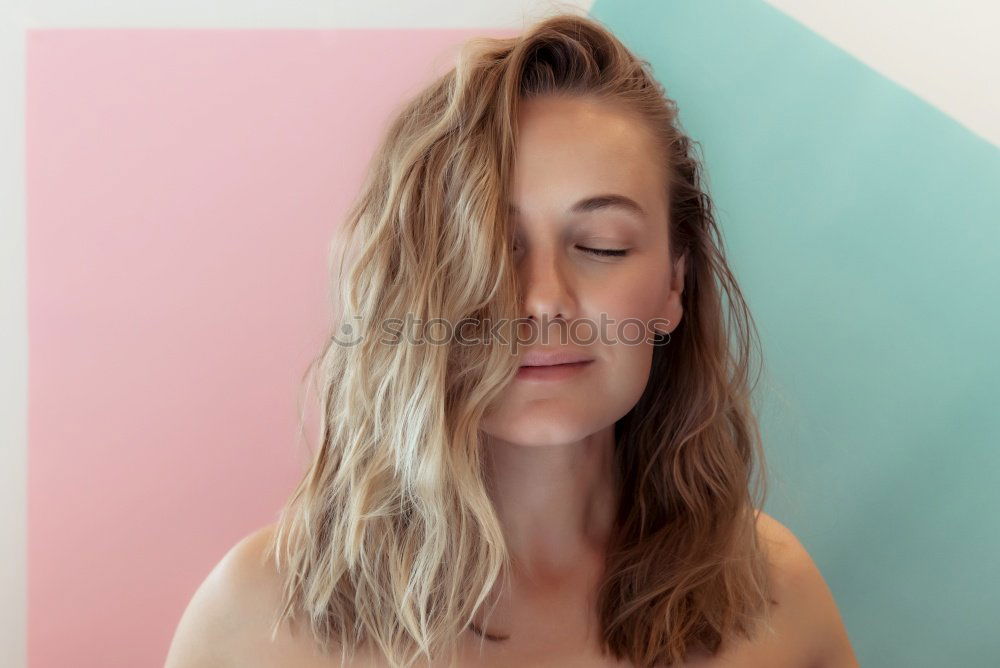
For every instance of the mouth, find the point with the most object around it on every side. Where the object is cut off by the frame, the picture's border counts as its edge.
(547, 372)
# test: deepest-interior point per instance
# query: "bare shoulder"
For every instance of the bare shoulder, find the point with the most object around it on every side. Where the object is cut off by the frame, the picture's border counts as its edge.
(806, 607)
(229, 618)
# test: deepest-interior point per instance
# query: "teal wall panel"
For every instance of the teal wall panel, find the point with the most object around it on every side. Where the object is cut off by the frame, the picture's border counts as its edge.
(864, 226)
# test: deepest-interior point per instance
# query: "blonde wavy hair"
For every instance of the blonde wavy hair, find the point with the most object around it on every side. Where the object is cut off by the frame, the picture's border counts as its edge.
(390, 541)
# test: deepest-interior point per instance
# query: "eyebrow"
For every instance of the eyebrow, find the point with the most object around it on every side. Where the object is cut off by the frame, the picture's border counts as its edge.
(602, 202)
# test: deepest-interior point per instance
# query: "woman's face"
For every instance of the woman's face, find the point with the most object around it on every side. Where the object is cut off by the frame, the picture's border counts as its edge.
(569, 151)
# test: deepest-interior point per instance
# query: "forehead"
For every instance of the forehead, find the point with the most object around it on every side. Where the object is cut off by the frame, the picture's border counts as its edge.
(572, 147)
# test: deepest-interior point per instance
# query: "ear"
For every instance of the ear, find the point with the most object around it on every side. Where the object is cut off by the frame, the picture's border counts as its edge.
(673, 309)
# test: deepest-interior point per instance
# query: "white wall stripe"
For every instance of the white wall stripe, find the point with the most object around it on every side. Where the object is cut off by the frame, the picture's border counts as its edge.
(405, 14)
(13, 341)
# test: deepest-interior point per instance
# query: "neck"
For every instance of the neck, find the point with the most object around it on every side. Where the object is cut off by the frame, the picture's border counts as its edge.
(556, 503)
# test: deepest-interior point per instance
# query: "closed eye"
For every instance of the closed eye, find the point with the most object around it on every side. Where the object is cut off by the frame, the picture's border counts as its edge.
(605, 252)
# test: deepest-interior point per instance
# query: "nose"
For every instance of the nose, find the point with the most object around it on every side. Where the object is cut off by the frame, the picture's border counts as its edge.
(547, 293)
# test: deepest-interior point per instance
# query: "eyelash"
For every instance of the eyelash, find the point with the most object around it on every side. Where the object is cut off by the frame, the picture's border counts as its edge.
(605, 252)
(601, 252)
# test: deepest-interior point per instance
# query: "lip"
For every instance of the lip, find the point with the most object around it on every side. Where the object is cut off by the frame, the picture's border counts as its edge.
(538, 358)
(552, 365)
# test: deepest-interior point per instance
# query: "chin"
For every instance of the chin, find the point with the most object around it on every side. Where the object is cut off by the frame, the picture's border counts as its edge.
(548, 439)
(540, 428)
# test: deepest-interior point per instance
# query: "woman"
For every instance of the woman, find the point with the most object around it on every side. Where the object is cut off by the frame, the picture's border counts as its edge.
(584, 501)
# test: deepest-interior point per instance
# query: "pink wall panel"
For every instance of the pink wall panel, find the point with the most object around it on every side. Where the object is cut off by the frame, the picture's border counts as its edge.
(182, 189)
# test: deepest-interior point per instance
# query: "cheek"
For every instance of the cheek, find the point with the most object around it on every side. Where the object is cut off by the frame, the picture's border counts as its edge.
(637, 295)
(629, 374)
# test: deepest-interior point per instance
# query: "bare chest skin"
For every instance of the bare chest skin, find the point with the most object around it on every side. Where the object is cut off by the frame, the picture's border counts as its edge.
(540, 623)
(562, 638)
(553, 626)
